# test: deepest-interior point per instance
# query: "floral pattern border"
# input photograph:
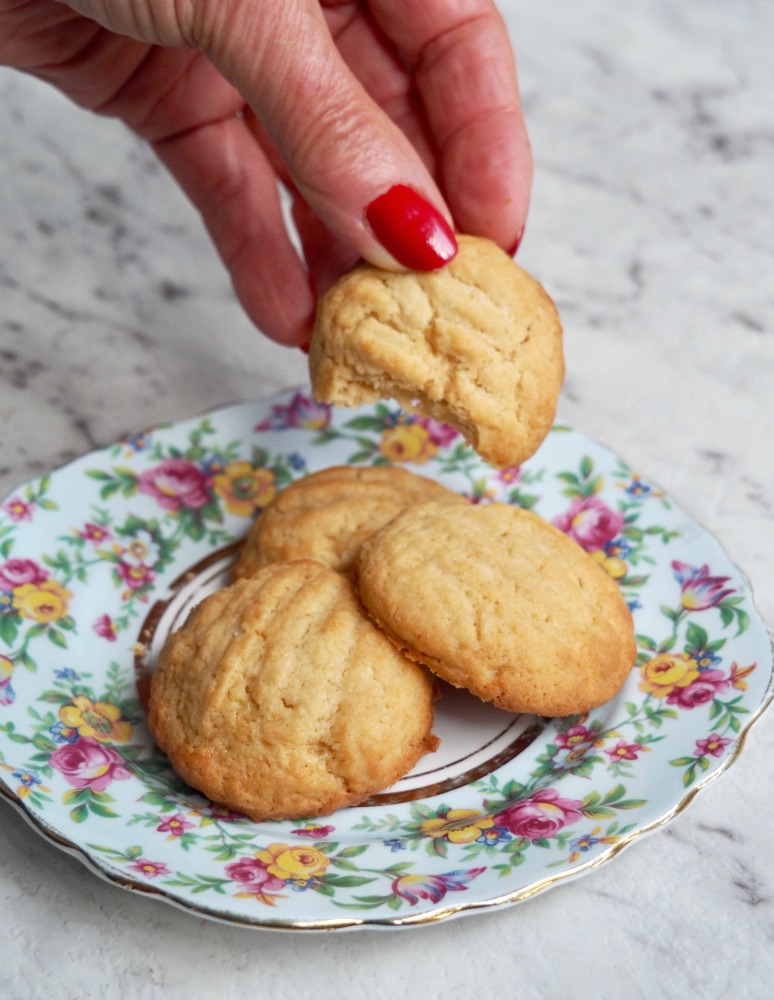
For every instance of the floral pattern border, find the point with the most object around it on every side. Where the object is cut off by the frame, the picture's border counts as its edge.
(85, 551)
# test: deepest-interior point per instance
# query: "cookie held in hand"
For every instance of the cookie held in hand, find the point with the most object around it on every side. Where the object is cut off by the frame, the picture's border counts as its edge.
(494, 599)
(476, 344)
(328, 514)
(280, 699)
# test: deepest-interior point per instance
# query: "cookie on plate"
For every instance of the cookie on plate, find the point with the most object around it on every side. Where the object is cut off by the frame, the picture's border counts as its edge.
(494, 599)
(280, 699)
(328, 514)
(476, 344)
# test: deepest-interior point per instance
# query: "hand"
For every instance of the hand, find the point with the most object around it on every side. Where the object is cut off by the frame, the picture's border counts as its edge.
(366, 112)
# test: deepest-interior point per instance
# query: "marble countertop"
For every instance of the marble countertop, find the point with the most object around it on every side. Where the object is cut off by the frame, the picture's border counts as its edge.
(651, 226)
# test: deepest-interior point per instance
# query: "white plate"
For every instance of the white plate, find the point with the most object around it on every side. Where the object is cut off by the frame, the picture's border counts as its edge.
(99, 560)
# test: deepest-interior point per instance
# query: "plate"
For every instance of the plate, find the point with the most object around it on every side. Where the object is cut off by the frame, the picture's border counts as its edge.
(100, 559)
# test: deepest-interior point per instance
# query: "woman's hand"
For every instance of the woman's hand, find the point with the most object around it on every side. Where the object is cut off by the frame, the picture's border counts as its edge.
(389, 121)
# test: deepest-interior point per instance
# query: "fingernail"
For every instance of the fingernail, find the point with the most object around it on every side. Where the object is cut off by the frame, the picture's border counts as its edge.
(517, 243)
(410, 229)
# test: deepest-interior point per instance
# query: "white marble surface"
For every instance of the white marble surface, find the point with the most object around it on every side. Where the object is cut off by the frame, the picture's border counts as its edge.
(651, 224)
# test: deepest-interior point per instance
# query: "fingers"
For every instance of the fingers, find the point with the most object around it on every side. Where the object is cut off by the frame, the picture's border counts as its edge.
(364, 186)
(342, 152)
(381, 71)
(327, 257)
(465, 72)
(225, 174)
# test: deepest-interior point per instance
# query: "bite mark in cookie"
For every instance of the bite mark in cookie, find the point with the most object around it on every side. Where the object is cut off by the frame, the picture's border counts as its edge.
(476, 344)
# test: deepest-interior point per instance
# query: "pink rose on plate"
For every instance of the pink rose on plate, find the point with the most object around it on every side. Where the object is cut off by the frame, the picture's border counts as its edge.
(704, 689)
(254, 875)
(176, 483)
(89, 764)
(16, 572)
(542, 814)
(590, 522)
(440, 434)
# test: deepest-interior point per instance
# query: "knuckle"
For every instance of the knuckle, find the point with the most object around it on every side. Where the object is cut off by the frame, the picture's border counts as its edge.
(342, 136)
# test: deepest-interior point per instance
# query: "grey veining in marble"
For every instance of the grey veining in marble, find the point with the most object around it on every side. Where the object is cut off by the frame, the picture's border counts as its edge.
(652, 226)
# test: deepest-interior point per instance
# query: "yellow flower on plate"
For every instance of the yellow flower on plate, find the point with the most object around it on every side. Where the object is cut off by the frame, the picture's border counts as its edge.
(244, 488)
(612, 565)
(98, 719)
(667, 671)
(407, 443)
(42, 602)
(297, 863)
(459, 826)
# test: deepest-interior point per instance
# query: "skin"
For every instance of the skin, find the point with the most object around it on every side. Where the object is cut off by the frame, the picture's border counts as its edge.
(338, 101)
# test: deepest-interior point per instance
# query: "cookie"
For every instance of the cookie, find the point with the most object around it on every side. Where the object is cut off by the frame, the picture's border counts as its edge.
(328, 514)
(278, 697)
(476, 344)
(494, 599)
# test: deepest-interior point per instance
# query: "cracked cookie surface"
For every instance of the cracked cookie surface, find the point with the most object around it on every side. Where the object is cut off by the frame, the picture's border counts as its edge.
(476, 344)
(280, 699)
(495, 600)
(329, 513)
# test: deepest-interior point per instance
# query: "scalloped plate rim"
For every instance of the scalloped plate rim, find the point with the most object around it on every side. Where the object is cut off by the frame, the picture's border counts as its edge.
(98, 866)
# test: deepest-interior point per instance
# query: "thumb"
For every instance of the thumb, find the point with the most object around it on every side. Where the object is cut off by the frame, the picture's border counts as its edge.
(354, 167)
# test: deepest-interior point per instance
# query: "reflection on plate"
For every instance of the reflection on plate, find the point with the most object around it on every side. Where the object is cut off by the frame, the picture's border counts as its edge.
(100, 560)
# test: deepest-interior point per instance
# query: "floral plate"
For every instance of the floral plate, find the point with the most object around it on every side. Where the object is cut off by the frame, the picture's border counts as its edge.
(99, 560)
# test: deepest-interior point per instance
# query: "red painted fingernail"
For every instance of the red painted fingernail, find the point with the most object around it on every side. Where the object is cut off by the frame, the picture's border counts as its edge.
(517, 243)
(414, 232)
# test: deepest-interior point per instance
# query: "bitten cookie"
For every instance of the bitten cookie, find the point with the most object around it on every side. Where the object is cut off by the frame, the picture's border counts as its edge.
(279, 698)
(476, 344)
(328, 514)
(496, 600)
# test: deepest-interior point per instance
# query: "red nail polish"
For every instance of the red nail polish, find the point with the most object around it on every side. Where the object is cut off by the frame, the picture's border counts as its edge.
(517, 243)
(414, 232)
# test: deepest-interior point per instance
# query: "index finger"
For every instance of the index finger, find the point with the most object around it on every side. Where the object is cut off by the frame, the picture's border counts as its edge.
(465, 71)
